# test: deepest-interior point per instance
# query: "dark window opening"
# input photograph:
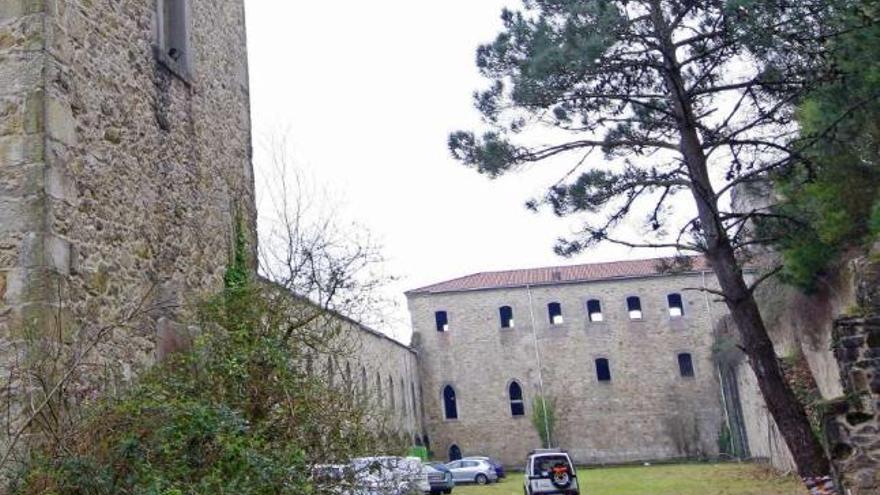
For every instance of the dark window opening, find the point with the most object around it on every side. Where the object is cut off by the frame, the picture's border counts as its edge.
(594, 310)
(506, 313)
(554, 311)
(442, 320)
(363, 382)
(450, 407)
(634, 307)
(174, 35)
(517, 406)
(676, 305)
(686, 365)
(379, 398)
(603, 370)
(454, 453)
(391, 393)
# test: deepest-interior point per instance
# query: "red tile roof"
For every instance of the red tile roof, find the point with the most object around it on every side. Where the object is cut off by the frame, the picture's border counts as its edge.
(567, 274)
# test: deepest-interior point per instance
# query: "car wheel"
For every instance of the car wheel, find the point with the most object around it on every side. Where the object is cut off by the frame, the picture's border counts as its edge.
(447, 492)
(481, 479)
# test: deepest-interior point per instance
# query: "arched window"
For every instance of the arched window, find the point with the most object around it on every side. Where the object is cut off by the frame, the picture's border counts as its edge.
(379, 398)
(517, 406)
(450, 407)
(634, 307)
(391, 392)
(603, 370)
(442, 320)
(310, 364)
(363, 383)
(676, 305)
(403, 401)
(594, 310)
(686, 365)
(331, 373)
(454, 453)
(506, 313)
(554, 311)
(415, 404)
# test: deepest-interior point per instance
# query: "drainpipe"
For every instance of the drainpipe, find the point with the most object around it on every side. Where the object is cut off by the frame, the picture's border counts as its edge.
(724, 401)
(540, 366)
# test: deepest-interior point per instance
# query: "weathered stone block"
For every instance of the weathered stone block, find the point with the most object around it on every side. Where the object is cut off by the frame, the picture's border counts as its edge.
(10, 9)
(60, 123)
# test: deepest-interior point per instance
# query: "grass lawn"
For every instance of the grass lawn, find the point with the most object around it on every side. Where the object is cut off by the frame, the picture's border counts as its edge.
(684, 479)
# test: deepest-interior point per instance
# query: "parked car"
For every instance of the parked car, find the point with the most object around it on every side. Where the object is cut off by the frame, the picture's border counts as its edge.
(472, 471)
(499, 469)
(550, 471)
(440, 478)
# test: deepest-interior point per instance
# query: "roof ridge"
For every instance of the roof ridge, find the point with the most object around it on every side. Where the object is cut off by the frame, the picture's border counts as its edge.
(480, 280)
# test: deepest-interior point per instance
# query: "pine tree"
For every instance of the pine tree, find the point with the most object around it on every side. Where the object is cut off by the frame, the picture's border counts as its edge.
(693, 97)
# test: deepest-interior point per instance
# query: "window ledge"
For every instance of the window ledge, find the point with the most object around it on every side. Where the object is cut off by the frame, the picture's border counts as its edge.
(173, 66)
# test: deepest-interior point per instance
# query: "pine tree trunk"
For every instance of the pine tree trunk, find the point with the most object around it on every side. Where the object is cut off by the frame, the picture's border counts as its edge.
(809, 455)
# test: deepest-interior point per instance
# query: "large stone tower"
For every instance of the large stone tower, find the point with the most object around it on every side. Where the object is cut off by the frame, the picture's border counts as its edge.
(125, 160)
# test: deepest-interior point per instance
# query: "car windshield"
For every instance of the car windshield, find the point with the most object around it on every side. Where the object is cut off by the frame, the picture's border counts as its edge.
(544, 465)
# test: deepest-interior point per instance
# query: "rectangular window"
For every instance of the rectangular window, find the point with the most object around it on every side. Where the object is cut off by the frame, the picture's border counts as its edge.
(603, 370)
(506, 313)
(554, 311)
(686, 365)
(442, 320)
(634, 307)
(676, 306)
(594, 310)
(173, 36)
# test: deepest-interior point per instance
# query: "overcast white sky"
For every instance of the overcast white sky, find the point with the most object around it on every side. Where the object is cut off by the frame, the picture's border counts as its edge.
(367, 93)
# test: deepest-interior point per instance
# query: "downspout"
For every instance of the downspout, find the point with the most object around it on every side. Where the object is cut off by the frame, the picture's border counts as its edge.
(540, 367)
(717, 366)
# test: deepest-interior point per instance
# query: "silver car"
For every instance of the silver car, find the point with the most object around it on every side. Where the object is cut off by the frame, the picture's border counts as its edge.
(472, 471)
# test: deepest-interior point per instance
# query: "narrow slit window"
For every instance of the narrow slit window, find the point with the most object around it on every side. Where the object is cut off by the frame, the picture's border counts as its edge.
(506, 313)
(442, 320)
(517, 406)
(554, 311)
(391, 393)
(594, 310)
(634, 307)
(676, 305)
(173, 42)
(450, 406)
(603, 370)
(686, 365)
(363, 383)
(379, 398)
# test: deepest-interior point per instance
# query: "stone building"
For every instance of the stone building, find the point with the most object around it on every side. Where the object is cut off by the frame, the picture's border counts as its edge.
(125, 159)
(125, 173)
(623, 350)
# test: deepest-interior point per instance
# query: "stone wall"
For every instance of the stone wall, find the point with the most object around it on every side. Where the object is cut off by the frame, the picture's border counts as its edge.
(388, 371)
(853, 423)
(647, 411)
(119, 181)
